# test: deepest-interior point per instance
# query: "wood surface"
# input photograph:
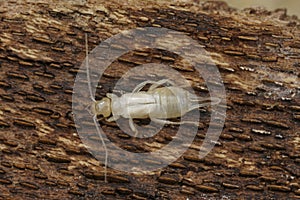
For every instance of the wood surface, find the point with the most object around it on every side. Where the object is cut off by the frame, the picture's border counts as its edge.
(256, 51)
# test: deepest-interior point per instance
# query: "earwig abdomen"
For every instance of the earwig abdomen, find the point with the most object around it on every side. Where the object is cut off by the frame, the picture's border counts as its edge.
(172, 102)
(160, 103)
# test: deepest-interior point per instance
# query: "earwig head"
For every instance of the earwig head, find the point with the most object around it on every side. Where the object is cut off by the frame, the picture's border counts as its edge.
(102, 107)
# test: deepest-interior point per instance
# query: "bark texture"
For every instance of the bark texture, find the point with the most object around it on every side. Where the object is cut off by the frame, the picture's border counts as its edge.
(42, 48)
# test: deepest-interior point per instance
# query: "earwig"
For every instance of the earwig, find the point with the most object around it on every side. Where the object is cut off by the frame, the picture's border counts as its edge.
(157, 103)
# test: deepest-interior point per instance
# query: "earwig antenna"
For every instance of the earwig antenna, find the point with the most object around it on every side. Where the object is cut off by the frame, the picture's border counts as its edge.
(87, 68)
(95, 115)
(104, 146)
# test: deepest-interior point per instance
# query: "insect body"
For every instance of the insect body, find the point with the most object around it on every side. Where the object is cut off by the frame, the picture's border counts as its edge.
(158, 103)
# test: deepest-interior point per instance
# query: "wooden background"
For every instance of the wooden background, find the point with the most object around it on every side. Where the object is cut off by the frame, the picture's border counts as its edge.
(42, 48)
(293, 7)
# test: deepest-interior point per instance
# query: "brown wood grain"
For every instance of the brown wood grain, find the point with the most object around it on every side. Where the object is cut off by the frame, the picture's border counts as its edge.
(41, 49)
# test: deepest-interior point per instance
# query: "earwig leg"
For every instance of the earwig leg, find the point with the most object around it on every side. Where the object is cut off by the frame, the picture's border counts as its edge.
(133, 128)
(159, 83)
(154, 85)
(162, 121)
(104, 146)
(141, 85)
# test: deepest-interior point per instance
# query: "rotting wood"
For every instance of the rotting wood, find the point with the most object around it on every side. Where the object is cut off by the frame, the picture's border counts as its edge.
(42, 48)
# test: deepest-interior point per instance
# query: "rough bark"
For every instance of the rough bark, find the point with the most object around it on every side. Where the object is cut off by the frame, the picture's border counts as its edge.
(256, 51)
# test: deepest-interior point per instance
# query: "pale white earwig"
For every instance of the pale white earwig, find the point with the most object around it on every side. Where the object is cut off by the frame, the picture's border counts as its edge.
(158, 103)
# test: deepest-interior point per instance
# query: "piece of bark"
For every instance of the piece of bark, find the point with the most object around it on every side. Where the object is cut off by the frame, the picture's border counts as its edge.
(42, 47)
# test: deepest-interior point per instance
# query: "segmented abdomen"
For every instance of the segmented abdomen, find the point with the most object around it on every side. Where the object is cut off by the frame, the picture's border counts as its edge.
(171, 102)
